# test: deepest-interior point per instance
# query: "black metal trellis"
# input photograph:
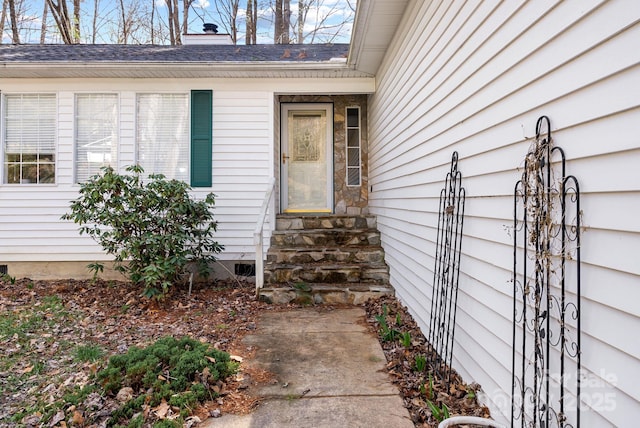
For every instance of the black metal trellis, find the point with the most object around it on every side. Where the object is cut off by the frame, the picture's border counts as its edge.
(446, 272)
(546, 360)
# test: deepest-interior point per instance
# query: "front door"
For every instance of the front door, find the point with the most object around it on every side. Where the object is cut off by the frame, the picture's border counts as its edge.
(307, 158)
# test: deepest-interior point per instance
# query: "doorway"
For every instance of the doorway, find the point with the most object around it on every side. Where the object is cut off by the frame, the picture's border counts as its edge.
(306, 159)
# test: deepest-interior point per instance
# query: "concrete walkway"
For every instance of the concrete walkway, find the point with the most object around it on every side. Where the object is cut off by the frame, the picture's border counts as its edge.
(330, 372)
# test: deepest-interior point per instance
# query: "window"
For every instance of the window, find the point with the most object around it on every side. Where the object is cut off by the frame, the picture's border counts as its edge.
(96, 133)
(353, 146)
(29, 138)
(163, 134)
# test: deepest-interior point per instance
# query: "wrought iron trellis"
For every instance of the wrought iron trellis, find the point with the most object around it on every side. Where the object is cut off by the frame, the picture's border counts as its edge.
(446, 272)
(546, 358)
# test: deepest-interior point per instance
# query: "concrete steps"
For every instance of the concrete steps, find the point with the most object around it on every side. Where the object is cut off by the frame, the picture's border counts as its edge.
(322, 259)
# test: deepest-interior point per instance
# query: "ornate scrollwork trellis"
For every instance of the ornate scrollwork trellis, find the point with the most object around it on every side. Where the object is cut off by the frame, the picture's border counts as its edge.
(446, 273)
(546, 358)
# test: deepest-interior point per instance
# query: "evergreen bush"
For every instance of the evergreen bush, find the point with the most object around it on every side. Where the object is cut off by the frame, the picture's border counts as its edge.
(153, 229)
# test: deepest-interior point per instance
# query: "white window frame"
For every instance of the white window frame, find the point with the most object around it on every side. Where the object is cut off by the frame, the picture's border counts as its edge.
(102, 157)
(179, 154)
(24, 130)
(349, 146)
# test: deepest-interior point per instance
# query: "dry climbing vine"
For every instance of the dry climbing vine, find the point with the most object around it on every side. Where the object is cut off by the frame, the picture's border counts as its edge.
(546, 358)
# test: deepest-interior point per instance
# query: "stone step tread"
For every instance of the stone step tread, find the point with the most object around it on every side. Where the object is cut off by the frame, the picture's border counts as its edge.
(324, 286)
(323, 216)
(325, 257)
(325, 265)
(324, 221)
(324, 248)
(329, 239)
(334, 231)
(351, 293)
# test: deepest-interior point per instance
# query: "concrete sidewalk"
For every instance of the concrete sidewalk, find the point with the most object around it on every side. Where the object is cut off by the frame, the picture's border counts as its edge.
(330, 372)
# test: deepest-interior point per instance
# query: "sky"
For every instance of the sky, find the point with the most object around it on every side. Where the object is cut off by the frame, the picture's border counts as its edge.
(203, 11)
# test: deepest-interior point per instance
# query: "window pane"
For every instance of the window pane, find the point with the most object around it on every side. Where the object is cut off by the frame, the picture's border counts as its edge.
(353, 138)
(163, 134)
(352, 118)
(96, 133)
(13, 173)
(29, 173)
(353, 176)
(353, 146)
(29, 138)
(353, 158)
(46, 173)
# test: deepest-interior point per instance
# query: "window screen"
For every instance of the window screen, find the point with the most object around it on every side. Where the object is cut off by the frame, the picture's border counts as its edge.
(96, 133)
(163, 134)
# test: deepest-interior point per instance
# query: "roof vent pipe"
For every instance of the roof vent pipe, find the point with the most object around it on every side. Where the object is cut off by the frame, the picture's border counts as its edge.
(210, 28)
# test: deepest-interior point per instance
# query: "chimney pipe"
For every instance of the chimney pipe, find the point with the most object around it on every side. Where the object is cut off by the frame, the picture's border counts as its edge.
(210, 28)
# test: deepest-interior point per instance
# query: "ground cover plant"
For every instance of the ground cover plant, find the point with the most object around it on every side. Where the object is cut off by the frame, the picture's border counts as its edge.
(427, 398)
(94, 353)
(57, 336)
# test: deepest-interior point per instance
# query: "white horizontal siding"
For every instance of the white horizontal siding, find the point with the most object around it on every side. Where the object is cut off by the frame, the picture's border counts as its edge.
(474, 77)
(30, 225)
(242, 165)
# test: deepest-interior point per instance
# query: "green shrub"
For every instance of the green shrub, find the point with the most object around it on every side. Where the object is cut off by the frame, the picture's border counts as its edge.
(178, 371)
(153, 230)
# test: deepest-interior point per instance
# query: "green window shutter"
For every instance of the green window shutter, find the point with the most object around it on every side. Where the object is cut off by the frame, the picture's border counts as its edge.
(201, 128)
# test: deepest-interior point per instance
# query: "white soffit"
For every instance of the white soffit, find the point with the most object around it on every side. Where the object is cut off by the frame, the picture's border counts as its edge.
(375, 24)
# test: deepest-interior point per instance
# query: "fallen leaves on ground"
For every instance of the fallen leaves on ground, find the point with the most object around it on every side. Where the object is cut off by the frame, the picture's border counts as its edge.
(414, 385)
(42, 324)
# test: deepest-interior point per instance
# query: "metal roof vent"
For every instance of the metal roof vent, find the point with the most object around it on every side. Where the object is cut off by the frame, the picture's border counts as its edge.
(210, 28)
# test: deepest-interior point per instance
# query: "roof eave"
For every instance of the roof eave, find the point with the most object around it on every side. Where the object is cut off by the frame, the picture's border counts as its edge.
(171, 69)
(374, 27)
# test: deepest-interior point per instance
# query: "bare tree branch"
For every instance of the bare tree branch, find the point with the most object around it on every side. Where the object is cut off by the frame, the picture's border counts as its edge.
(176, 23)
(329, 20)
(252, 22)
(228, 13)
(43, 27)
(3, 18)
(94, 26)
(76, 21)
(61, 17)
(14, 22)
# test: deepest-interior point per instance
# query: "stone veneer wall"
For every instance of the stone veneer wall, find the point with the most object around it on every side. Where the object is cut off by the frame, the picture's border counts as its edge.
(347, 199)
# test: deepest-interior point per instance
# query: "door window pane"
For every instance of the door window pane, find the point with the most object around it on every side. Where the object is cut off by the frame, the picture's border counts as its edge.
(307, 169)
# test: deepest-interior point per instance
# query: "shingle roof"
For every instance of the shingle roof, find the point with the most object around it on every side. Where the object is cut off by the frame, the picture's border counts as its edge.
(185, 61)
(172, 54)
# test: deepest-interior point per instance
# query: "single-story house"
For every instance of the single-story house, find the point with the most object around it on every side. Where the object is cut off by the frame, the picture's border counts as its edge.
(419, 81)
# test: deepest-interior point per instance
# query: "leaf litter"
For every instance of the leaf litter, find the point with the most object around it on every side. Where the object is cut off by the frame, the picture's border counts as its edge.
(43, 324)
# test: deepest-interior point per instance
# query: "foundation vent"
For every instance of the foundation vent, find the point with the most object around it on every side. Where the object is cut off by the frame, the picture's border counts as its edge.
(245, 269)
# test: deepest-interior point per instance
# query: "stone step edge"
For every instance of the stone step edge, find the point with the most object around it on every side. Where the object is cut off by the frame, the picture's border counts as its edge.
(323, 294)
(324, 248)
(324, 286)
(343, 230)
(326, 266)
(323, 215)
